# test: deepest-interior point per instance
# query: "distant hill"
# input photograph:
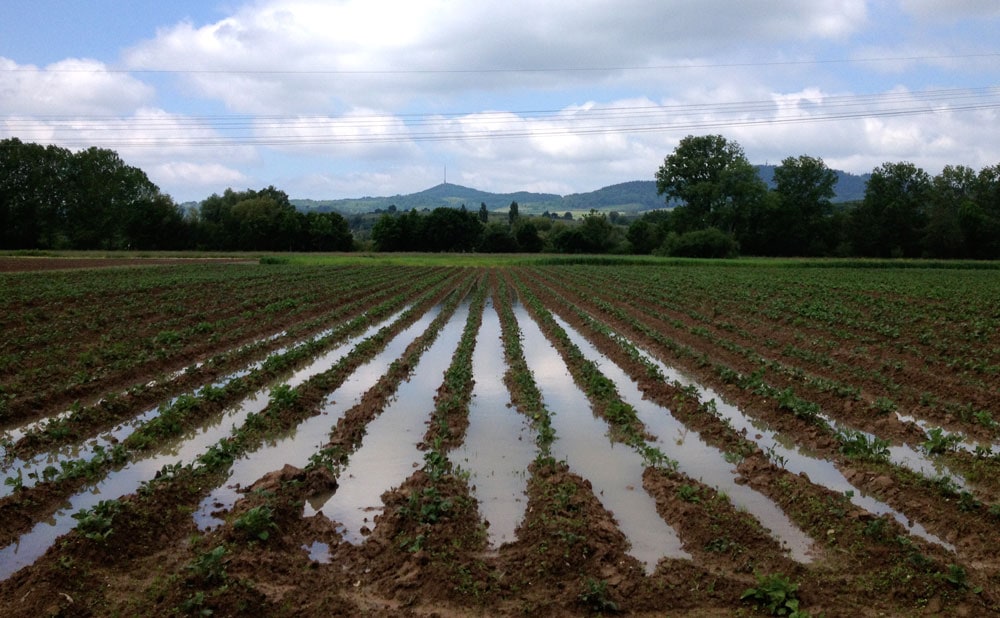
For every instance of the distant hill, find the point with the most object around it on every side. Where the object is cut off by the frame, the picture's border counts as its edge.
(623, 197)
(849, 187)
(634, 196)
(446, 194)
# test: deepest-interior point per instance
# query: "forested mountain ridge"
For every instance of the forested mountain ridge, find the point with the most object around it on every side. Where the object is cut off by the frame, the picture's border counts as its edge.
(445, 194)
(632, 196)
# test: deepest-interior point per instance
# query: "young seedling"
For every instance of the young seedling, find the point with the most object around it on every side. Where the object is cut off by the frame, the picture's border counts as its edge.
(776, 595)
(256, 523)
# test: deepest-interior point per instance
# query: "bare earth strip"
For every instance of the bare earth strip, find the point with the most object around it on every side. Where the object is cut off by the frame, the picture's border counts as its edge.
(31, 264)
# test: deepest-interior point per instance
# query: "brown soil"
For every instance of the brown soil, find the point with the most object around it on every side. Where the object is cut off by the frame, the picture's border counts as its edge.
(569, 558)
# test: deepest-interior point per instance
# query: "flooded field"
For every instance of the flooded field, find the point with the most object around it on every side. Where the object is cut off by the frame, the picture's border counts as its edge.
(545, 440)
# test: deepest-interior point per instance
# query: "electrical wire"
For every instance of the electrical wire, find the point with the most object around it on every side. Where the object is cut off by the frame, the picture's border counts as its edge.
(166, 130)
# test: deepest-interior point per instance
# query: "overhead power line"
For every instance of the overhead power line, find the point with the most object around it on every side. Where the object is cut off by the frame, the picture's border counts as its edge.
(288, 130)
(495, 70)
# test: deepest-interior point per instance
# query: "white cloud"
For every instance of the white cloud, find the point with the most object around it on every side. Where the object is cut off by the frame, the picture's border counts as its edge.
(358, 133)
(148, 134)
(304, 56)
(180, 154)
(952, 10)
(199, 179)
(359, 97)
(879, 133)
(68, 88)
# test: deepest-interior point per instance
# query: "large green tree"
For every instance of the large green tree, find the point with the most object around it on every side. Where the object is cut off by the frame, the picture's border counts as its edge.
(891, 220)
(953, 193)
(33, 195)
(250, 220)
(325, 231)
(52, 198)
(981, 218)
(797, 221)
(448, 229)
(715, 183)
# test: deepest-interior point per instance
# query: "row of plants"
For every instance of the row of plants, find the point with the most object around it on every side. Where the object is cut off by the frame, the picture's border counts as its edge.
(186, 411)
(161, 325)
(82, 421)
(285, 409)
(554, 519)
(784, 395)
(706, 519)
(601, 391)
(569, 555)
(910, 491)
(826, 390)
(975, 464)
(913, 333)
(208, 585)
(818, 510)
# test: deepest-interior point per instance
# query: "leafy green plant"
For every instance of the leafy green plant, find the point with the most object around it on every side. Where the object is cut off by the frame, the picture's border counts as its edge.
(413, 545)
(773, 454)
(968, 502)
(595, 596)
(436, 464)
(433, 506)
(876, 528)
(195, 605)
(212, 393)
(956, 576)
(283, 397)
(801, 408)
(776, 595)
(688, 493)
(15, 482)
(858, 445)
(257, 523)
(167, 338)
(720, 545)
(209, 566)
(884, 405)
(938, 442)
(96, 524)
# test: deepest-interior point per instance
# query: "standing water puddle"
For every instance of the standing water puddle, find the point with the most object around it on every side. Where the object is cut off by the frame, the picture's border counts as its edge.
(499, 443)
(15, 433)
(792, 457)
(961, 442)
(694, 456)
(310, 435)
(30, 546)
(32, 470)
(389, 453)
(614, 470)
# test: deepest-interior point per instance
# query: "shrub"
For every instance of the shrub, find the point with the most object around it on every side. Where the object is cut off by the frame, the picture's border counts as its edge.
(707, 243)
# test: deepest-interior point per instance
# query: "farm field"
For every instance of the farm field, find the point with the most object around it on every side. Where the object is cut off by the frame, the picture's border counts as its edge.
(527, 438)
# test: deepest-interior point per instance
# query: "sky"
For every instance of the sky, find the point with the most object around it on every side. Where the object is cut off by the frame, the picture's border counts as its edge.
(329, 99)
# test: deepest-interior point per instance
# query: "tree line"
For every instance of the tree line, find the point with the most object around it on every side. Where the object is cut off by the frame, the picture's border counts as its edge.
(726, 208)
(51, 198)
